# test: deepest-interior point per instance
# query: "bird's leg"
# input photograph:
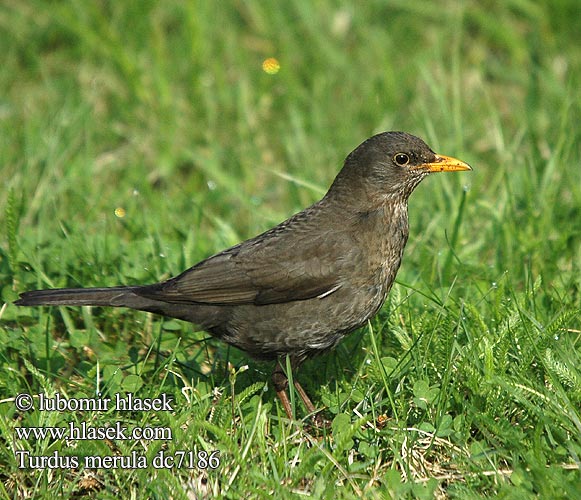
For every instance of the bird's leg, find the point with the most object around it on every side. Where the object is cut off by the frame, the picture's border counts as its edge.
(308, 403)
(280, 381)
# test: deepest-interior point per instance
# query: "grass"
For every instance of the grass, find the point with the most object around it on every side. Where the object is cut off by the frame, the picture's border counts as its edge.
(139, 137)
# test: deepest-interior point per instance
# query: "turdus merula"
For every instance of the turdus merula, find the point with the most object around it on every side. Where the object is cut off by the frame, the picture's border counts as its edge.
(300, 287)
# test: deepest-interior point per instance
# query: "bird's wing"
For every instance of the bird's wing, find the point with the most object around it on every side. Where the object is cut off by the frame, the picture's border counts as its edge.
(284, 264)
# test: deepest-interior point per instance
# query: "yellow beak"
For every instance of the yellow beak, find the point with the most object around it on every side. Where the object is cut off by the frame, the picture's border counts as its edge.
(446, 164)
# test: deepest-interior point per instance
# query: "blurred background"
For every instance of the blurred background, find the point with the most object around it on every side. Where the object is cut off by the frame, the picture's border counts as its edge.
(138, 137)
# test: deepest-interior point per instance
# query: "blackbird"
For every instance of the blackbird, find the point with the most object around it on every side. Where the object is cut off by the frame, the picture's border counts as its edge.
(297, 289)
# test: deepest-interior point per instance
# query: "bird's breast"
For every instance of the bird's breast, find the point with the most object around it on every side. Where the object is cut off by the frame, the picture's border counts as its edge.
(382, 236)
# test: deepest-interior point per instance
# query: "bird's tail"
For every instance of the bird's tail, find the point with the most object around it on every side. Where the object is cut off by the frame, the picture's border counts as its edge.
(115, 296)
(134, 297)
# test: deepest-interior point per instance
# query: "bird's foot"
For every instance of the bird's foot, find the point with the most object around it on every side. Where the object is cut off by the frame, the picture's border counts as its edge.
(320, 422)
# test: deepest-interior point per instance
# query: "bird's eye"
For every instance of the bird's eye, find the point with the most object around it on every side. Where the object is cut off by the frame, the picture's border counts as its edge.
(401, 159)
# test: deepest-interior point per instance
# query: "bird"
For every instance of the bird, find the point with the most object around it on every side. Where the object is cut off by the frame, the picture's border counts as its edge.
(296, 290)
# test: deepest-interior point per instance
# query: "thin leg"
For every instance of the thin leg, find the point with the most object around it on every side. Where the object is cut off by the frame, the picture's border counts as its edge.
(318, 419)
(282, 395)
(280, 381)
(308, 403)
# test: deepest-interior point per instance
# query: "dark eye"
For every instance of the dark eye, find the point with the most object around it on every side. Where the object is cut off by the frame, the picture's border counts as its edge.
(401, 159)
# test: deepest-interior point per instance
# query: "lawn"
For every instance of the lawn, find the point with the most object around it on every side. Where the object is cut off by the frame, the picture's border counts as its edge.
(140, 137)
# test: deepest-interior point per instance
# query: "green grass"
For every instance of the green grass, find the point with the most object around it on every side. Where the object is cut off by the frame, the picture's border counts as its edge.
(466, 385)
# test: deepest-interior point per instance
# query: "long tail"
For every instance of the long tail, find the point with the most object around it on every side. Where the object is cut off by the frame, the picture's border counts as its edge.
(122, 296)
(115, 296)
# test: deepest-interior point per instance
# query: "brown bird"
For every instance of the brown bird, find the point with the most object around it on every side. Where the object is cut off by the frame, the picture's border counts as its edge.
(297, 289)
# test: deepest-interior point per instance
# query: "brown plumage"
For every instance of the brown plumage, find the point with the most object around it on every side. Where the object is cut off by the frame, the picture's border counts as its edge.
(300, 287)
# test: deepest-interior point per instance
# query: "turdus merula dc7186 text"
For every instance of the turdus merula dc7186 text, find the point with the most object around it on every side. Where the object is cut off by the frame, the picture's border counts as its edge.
(300, 287)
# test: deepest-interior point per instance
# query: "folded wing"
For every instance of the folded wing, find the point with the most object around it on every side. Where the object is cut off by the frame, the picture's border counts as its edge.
(278, 266)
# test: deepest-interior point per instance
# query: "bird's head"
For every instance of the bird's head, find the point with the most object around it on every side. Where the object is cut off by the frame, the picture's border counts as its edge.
(390, 165)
